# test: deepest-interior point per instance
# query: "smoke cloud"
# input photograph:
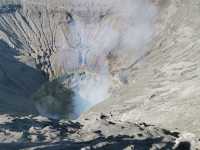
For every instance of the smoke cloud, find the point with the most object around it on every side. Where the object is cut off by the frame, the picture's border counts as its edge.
(94, 29)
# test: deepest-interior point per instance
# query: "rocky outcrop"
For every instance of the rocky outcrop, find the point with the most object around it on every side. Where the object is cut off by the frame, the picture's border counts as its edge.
(37, 132)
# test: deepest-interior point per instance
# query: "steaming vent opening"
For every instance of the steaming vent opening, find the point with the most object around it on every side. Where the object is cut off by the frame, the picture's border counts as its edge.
(72, 94)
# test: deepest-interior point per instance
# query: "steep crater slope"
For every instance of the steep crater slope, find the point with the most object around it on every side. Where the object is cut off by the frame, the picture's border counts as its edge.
(163, 87)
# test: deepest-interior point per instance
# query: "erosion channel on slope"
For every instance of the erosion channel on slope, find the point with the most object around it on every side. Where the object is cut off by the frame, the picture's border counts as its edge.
(79, 50)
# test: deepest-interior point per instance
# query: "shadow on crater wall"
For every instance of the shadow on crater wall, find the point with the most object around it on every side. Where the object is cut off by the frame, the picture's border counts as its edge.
(101, 143)
(17, 82)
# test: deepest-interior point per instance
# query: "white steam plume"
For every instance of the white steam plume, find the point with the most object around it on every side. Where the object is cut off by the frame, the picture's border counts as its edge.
(94, 29)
